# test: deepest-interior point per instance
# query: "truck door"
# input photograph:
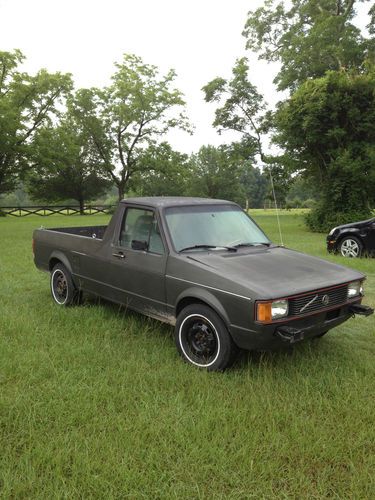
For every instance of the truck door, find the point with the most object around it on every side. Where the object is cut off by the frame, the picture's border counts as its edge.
(138, 262)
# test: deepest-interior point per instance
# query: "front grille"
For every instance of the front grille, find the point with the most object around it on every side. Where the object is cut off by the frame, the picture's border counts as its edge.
(319, 300)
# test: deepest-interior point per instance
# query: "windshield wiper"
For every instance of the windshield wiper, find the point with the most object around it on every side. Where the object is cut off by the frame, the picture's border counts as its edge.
(231, 249)
(239, 245)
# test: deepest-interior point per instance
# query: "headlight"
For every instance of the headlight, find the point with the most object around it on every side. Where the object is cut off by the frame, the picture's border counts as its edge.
(332, 231)
(268, 311)
(279, 309)
(354, 289)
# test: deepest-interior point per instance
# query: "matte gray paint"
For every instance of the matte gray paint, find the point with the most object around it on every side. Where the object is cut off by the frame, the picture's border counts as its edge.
(229, 283)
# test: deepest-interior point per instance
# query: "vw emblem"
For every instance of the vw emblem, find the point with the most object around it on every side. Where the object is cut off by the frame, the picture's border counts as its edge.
(325, 300)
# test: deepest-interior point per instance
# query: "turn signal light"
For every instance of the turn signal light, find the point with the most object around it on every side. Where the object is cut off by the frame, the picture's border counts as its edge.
(264, 311)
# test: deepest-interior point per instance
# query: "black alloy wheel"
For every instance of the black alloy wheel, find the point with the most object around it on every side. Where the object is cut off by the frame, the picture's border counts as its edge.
(203, 339)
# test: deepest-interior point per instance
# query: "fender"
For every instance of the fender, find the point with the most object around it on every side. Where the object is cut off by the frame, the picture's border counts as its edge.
(207, 297)
(58, 255)
(351, 231)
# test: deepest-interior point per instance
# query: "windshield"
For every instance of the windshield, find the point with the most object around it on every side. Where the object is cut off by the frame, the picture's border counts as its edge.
(212, 225)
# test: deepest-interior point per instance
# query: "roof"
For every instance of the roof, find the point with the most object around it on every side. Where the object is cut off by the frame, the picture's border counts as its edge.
(173, 201)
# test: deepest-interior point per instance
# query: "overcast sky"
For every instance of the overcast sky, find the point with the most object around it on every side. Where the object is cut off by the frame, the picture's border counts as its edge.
(200, 39)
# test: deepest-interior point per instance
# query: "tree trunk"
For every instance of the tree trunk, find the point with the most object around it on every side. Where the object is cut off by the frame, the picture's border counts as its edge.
(121, 191)
(81, 202)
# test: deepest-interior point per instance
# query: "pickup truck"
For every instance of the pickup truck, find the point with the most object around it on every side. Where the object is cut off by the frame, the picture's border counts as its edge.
(205, 267)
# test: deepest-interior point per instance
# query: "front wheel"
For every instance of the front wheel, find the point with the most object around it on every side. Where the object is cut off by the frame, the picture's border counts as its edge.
(350, 246)
(63, 290)
(203, 340)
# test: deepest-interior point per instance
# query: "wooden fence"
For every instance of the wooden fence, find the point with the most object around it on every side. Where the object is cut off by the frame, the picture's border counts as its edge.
(46, 210)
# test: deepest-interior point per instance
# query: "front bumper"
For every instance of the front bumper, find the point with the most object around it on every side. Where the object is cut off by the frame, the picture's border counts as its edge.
(292, 335)
(275, 336)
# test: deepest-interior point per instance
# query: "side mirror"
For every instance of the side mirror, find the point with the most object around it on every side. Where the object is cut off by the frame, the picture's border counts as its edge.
(139, 245)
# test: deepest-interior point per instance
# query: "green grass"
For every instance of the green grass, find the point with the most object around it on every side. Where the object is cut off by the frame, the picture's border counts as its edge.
(96, 403)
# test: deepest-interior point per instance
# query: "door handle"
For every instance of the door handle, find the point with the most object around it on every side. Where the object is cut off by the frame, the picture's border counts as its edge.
(119, 255)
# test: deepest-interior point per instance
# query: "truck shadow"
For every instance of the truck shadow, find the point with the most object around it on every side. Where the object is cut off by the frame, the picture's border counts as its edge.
(330, 350)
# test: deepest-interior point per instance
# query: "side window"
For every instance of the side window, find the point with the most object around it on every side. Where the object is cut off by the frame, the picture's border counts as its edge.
(140, 226)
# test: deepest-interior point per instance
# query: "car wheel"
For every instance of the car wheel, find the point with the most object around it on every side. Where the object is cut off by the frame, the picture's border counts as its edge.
(350, 246)
(63, 290)
(203, 340)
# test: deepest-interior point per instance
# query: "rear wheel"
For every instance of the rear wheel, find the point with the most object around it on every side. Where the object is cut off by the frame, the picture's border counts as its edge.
(63, 290)
(203, 340)
(350, 246)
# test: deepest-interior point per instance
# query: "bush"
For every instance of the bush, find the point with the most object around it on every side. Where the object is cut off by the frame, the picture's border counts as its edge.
(320, 220)
(113, 209)
(310, 203)
(2, 214)
(295, 203)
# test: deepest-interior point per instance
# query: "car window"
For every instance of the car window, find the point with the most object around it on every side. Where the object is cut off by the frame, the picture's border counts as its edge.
(140, 225)
(216, 225)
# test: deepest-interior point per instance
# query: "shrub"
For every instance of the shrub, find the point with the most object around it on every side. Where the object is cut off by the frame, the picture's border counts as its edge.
(309, 203)
(295, 203)
(113, 209)
(320, 220)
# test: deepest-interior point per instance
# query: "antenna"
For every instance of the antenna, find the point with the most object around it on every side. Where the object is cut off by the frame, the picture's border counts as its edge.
(277, 210)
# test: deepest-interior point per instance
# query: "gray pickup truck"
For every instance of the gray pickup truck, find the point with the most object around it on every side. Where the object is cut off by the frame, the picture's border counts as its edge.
(206, 267)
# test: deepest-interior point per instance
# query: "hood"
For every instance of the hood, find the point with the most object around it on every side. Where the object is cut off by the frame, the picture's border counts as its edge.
(275, 271)
(357, 224)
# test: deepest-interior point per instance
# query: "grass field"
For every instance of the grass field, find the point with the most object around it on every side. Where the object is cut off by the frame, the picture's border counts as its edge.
(96, 403)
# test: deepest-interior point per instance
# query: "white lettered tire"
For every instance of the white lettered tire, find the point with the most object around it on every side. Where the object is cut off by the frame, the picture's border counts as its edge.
(63, 290)
(203, 340)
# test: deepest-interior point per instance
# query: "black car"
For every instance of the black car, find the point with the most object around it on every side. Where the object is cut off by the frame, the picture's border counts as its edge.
(353, 240)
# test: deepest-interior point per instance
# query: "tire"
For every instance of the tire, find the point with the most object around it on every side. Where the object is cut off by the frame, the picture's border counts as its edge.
(203, 340)
(350, 246)
(63, 290)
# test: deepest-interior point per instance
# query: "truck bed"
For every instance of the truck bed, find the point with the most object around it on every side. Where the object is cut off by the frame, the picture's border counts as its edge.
(66, 243)
(87, 231)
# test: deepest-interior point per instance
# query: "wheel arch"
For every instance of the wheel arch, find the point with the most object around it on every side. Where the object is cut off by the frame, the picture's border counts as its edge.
(347, 234)
(56, 257)
(204, 297)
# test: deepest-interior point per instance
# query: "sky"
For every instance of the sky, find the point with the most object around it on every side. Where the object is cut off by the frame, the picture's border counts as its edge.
(200, 39)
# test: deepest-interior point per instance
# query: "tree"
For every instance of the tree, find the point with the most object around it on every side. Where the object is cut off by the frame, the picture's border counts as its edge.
(241, 107)
(303, 188)
(163, 172)
(219, 172)
(254, 184)
(308, 37)
(65, 166)
(243, 110)
(128, 116)
(26, 103)
(327, 128)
